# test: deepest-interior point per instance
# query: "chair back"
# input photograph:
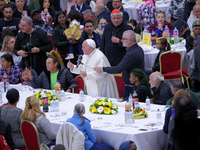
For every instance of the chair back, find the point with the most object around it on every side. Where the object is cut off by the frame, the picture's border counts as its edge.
(120, 84)
(30, 135)
(69, 136)
(81, 84)
(50, 37)
(171, 64)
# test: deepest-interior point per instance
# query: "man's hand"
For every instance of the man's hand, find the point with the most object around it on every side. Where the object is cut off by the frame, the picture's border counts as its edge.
(49, 23)
(169, 20)
(35, 50)
(97, 69)
(70, 65)
(69, 90)
(115, 39)
(83, 74)
(194, 43)
(28, 71)
(72, 42)
(22, 53)
(151, 100)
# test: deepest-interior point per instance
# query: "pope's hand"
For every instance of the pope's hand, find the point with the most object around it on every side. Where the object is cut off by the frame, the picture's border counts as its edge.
(83, 74)
(70, 65)
(97, 69)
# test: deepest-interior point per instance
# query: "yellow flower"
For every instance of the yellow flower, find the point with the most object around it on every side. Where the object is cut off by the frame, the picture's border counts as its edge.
(40, 102)
(97, 102)
(109, 104)
(94, 109)
(100, 103)
(48, 101)
(107, 110)
(90, 107)
(49, 98)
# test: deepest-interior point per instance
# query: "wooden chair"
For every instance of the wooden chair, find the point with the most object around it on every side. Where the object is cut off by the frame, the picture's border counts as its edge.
(186, 76)
(120, 84)
(30, 135)
(81, 84)
(171, 65)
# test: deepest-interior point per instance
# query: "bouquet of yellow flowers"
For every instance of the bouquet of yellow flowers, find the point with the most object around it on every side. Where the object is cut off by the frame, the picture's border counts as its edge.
(40, 93)
(104, 107)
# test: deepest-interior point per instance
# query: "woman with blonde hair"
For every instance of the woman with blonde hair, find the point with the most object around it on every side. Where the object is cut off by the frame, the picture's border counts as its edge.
(32, 112)
(8, 47)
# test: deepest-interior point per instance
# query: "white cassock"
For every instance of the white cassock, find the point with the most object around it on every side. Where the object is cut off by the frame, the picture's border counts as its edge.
(97, 84)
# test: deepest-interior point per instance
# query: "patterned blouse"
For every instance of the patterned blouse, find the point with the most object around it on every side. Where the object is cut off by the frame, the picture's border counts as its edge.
(14, 76)
(154, 26)
(176, 9)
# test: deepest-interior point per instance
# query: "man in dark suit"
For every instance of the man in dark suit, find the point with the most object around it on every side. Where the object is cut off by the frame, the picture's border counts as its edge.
(100, 12)
(134, 58)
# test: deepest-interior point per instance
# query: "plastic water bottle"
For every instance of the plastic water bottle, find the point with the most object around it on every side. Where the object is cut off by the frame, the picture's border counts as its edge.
(62, 95)
(159, 117)
(176, 38)
(148, 107)
(136, 104)
(134, 97)
(47, 17)
(81, 95)
(130, 98)
(57, 104)
(43, 15)
(52, 106)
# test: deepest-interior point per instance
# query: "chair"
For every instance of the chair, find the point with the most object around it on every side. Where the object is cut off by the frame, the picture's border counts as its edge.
(30, 135)
(81, 84)
(69, 136)
(171, 65)
(187, 76)
(120, 84)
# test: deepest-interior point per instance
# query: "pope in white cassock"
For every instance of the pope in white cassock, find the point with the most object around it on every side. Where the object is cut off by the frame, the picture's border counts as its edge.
(103, 84)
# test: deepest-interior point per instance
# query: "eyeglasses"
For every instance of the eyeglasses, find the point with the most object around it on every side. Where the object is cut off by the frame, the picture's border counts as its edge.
(160, 11)
(125, 39)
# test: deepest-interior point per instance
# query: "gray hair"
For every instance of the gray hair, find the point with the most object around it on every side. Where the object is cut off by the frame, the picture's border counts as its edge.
(79, 108)
(89, 12)
(130, 34)
(176, 84)
(115, 14)
(18, 0)
(100, 7)
(27, 19)
(158, 76)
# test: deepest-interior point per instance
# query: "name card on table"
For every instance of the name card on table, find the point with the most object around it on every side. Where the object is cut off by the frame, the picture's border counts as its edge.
(146, 40)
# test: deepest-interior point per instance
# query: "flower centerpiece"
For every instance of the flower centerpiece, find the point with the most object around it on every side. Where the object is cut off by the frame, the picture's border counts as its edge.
(104, 107)
(41, 92)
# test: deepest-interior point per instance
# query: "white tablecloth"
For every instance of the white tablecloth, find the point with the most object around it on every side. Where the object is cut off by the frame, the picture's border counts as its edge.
(110, 129)
(132, 9)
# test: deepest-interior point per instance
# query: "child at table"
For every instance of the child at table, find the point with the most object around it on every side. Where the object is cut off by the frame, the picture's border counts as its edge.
(83, 124)
(25, 78)
(33, 113)
(162, 45)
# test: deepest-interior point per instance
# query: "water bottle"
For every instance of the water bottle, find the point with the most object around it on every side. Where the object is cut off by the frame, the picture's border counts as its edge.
(57, 104)
(5, 80)
(81, 95)
(52, 106)
(129, 117)
(62, 95)
(176, 38)
(47, 17)
(1, 97)
(136, 104)
(148, 107)
(45, 102)
(43, 15)
(159, 117)
(128, 106)
(57, 89)
(134, 97)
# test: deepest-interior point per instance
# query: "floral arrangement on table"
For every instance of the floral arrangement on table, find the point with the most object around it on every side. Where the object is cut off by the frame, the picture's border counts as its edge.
(41, 92)
(139, 113)
(104, 107)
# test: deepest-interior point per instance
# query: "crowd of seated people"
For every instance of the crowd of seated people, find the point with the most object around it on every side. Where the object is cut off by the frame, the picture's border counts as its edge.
(25, 31)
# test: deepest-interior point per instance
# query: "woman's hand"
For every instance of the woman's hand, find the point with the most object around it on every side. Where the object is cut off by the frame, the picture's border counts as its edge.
(194, 43)
(160, 26)
(72, 42)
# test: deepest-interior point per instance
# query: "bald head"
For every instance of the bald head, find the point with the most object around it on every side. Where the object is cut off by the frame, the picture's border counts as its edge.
(196, 10)
(100, 2)
(99, 8)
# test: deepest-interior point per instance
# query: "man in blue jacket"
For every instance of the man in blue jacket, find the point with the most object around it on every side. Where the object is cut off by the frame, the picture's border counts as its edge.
(134, 58)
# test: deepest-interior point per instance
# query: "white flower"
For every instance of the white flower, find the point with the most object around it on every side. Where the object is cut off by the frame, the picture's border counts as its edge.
(114, 106)
(100, 109)
(104, 103)
(113, 112)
